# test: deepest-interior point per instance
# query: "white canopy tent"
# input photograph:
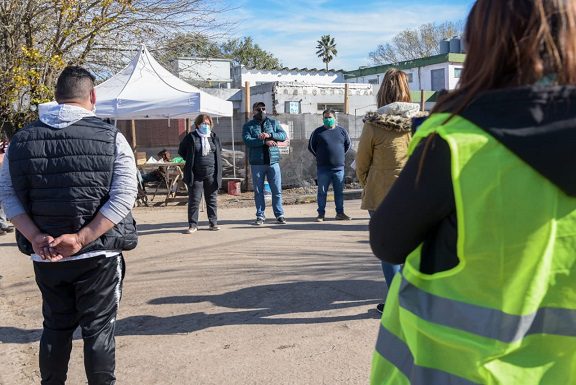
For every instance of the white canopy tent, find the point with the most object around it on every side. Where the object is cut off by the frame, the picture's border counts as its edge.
(146, 90)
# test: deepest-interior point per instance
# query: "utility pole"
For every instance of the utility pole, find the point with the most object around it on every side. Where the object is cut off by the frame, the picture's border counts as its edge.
(346, 99)
(247, 113)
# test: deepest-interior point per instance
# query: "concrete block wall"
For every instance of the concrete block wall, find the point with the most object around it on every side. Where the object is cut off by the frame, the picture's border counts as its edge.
(298, 166)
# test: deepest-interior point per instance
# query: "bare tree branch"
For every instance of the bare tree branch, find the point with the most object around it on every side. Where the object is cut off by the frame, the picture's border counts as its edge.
(40, 37)
(413, 44)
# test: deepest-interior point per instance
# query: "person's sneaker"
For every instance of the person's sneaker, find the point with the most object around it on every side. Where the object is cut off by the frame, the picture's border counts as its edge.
(320, 218)
(380, 308)
(214, 227)
(281, 220)
(191, 229)
(342, 217)
(8, 229)
(258, 222)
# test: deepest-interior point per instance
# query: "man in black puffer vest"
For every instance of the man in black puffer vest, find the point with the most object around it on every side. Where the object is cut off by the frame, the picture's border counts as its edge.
(68, 184)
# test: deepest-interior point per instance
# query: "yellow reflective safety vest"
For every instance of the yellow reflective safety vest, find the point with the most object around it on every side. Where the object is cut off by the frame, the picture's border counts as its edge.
(506, 314)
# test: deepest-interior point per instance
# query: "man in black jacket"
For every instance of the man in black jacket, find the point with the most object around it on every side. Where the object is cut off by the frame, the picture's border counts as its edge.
(68, 184)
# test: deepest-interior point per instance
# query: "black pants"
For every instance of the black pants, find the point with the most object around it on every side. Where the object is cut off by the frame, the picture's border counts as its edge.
(209, 186)
(81, 293)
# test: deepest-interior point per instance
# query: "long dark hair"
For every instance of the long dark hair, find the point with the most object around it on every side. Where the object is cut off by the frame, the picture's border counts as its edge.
(514, 43)
(394, 88)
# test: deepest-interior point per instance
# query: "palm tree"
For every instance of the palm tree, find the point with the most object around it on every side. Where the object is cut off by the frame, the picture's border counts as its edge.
(326, 49)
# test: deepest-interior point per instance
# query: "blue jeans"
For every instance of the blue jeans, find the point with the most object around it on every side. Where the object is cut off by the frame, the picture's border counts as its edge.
(325, 177)
(274, 177)
(388, 269)
(4, 224)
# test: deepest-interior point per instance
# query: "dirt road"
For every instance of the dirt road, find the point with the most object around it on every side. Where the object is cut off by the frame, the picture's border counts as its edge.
(277, 304)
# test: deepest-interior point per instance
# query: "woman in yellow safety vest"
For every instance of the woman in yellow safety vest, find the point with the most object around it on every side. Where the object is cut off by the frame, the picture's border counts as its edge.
(483, 216)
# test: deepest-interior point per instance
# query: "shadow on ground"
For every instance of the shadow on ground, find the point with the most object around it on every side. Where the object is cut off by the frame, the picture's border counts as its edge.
(277, 304)
(309, 302)
(12, 335)
(298, 224)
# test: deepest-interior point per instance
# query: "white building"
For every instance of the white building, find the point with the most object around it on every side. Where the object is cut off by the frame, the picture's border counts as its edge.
(221, 73)
(432, 73)
(204, 72)
(301, 98)
(256, 77)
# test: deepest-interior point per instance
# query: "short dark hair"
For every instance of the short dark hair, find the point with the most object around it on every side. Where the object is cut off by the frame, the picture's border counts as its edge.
(329, 111)
(201, 118)
(258, 104)
(74, 83)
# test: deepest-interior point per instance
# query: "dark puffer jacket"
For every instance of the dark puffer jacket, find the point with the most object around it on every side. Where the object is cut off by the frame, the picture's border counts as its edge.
(63, 177)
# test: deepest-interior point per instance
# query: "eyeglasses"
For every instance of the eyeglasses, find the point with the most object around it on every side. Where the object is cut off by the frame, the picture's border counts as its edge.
(260, 109)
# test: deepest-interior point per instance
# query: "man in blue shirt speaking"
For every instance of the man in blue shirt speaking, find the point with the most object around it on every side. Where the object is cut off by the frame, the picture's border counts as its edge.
(329, 144)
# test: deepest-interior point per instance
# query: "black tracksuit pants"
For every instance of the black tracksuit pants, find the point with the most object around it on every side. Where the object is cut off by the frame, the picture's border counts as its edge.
(209, 186)
(81, 293)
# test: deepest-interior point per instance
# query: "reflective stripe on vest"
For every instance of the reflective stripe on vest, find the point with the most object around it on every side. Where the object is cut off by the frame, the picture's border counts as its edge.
(395, 350)
(486, 322)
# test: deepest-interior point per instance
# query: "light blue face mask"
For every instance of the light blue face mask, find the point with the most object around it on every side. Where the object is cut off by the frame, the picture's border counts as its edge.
(204, 129)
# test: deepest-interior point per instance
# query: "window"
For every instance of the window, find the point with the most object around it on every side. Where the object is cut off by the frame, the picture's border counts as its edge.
(292, 107)
(457, 72)
(410, 77)
(438, 79)
(336, 107)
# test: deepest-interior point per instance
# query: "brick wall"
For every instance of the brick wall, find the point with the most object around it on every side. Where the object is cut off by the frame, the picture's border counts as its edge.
(154, 133)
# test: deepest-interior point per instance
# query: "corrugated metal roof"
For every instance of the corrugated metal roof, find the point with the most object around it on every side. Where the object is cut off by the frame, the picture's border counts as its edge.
(296, 69)
(423, 62)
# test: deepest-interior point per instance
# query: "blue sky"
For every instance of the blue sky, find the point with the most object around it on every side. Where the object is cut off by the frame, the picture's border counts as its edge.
(290, 28)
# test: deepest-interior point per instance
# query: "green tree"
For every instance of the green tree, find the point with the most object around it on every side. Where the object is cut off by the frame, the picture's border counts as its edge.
(242, 51)
(417, 43)
(187, 45)
(245, 52)
(40, 37)
(326, 49)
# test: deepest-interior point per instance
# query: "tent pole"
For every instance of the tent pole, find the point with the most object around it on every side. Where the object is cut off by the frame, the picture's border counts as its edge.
(233, 148)
(133, 125)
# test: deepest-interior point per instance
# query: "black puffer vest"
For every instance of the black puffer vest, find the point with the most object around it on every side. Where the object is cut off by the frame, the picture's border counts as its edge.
(63, 177)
